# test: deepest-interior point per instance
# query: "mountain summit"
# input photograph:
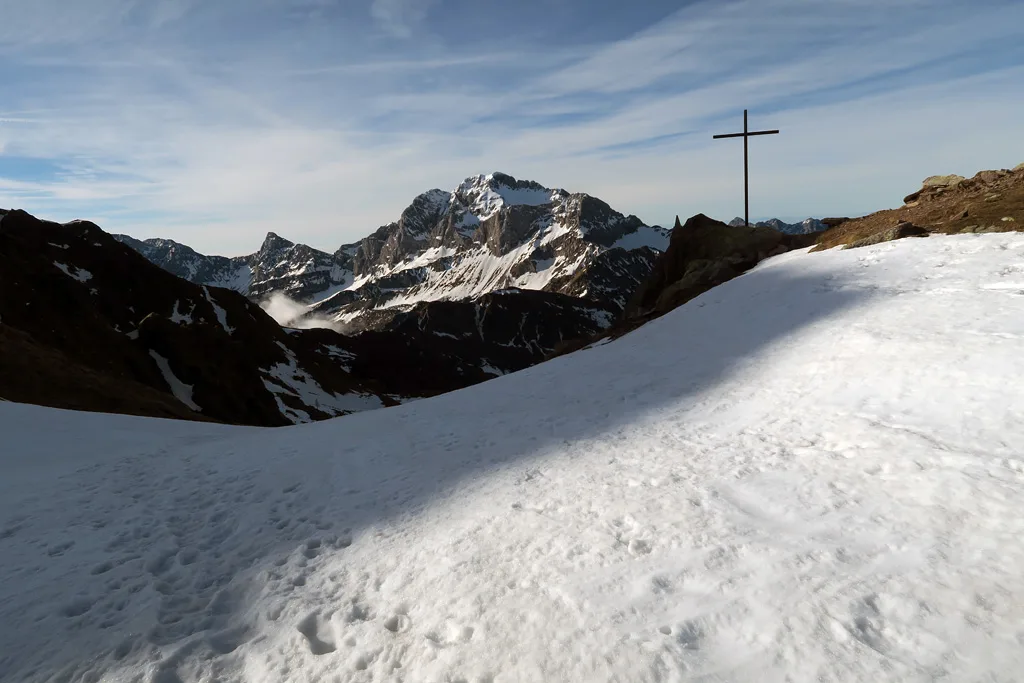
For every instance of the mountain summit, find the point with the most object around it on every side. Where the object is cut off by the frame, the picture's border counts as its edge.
(490, 234)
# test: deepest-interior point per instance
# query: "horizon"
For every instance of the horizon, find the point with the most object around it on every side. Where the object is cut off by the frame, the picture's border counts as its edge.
(320, 120)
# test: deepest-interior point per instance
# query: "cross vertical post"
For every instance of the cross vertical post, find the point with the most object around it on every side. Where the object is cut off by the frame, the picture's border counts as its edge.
(746, 174)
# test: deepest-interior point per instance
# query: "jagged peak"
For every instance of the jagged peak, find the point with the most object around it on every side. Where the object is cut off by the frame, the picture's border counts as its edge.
(484, 195)
(273, 242)
(435, 199)
(497, 180)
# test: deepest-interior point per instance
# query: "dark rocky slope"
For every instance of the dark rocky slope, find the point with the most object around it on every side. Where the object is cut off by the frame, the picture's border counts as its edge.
(88, 323)
(703, 253)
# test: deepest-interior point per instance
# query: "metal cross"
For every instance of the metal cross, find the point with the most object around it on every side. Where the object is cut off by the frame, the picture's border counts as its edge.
(746, 183)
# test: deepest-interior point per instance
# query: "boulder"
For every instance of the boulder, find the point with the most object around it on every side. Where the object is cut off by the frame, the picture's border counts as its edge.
(701, 275)
(702, 254)
(903, 229)
(942, 181)
(988, 176)
(833, 222)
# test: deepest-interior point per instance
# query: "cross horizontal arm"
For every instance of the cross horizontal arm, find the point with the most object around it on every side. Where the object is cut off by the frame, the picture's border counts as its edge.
(740, 135)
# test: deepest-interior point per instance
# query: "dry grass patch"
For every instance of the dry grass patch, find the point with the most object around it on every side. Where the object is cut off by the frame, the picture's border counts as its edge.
(991, 201)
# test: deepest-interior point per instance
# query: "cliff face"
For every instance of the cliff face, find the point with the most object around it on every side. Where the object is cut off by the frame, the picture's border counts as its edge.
(702, 254)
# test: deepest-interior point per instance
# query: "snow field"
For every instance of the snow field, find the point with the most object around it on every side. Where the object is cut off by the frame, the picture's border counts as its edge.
(812, 472)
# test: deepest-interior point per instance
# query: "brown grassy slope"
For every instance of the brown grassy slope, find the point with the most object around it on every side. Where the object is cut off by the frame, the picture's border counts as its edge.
(978, 204)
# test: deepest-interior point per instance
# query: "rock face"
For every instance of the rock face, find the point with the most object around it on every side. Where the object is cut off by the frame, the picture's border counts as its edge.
(804, 227)
(951, 180)
(903, 229)
(491, 233)
(87, 323)
(944, 204)
(497, 333)
(702, 254)
(296, 270)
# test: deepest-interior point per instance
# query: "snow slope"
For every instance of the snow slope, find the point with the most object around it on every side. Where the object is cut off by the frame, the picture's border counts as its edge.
(812, 472)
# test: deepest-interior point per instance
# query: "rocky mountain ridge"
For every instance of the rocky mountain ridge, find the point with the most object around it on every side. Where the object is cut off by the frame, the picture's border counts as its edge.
(804, 227)
(990, 201)
(86, 322)
(491, 233)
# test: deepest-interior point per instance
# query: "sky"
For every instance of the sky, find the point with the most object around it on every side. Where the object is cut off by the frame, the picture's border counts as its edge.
(212, 123)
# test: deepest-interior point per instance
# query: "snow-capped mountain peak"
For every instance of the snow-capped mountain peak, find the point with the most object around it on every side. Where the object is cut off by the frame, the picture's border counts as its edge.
(804, 227)
(485, 195)
(491, 232)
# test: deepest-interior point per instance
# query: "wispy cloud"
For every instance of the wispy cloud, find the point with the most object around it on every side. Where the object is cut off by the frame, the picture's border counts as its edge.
(321, 119)
(400, 17)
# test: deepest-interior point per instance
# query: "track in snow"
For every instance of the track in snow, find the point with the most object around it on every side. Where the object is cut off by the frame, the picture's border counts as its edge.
(812, 472)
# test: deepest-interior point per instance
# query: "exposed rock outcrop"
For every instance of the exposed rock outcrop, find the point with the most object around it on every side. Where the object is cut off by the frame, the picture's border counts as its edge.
(903, 229)
(703, 254)
(944, 204)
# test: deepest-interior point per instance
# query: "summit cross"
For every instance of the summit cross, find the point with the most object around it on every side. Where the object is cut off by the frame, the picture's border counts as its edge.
(746, 182)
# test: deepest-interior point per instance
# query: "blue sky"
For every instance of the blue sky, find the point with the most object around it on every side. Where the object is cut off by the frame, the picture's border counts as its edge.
(215, 122)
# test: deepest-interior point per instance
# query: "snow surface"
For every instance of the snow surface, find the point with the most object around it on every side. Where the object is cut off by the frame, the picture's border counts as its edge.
(479, 272)
(240, 279)
(488, 196)
(182, 318)
(810, 473)
(343, 356)
(288, 379)
(80, 274)
(222, 315)
(181, 391)
(325, 294)
(486, 366)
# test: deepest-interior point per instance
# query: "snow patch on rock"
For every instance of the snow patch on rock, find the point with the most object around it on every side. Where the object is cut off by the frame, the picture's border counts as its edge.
(80, 274)
(288, 379)
(222, 315)
(181, 391)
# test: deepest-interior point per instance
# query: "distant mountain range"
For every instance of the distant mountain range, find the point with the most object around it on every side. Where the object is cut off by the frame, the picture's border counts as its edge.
(485, 280)
(804, 227)
(490, 234)
(87, 323)
(491, 278)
